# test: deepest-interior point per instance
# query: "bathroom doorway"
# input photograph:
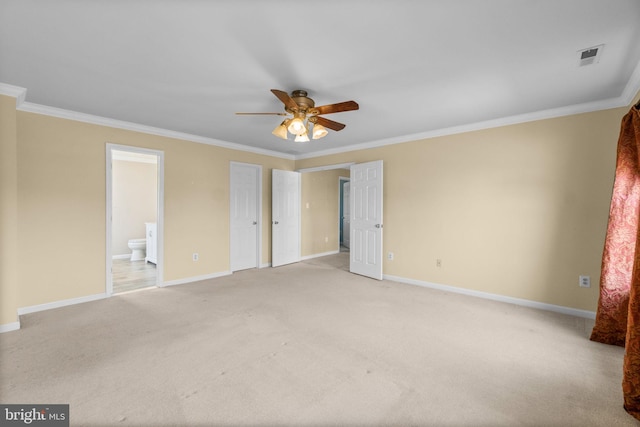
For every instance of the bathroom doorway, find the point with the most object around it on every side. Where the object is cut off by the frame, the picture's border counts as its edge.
(134, 218)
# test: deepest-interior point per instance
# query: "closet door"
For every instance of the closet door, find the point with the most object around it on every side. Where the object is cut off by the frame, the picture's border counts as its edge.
(245, 180)
(285, 217)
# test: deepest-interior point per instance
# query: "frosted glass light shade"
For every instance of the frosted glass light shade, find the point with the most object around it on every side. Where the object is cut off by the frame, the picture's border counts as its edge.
(302, 138)
(319, 131)
(297, 127)
(280, 131)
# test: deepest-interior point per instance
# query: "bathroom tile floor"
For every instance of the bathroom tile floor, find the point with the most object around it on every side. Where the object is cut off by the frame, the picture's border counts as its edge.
(132, 275)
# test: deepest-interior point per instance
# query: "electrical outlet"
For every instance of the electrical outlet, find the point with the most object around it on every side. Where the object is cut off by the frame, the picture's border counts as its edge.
(390, 256)
(438, 263)
(196, 256)
(585, 282)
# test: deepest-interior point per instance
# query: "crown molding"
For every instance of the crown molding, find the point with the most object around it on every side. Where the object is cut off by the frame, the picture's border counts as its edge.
(121, 124)
(623, 100)
(17, 92)
(631, 90)
(570, 110)
(633, 86)
(20, 94)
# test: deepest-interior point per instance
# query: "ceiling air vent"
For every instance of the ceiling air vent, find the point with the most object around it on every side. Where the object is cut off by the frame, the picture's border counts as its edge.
(590, 56)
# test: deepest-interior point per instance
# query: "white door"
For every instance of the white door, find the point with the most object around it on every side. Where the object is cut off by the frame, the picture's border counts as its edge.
(245, 184)
(285, 217)
(366, 219)
(346, 216)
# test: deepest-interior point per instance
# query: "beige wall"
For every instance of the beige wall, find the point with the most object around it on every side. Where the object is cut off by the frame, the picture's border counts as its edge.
(320, 211)
(134, 202)
(61, 206)
(8, 211)
(519, 211)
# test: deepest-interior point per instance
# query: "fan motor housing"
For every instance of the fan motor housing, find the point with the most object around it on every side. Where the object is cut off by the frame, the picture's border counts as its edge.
(304, 102)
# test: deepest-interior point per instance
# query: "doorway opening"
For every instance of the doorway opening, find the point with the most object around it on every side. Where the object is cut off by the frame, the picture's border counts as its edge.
(134, 218)
(365, 214)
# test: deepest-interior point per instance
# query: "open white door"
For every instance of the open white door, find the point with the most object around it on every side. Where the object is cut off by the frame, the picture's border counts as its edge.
(366, 219)
(245, 185)
(285, 217)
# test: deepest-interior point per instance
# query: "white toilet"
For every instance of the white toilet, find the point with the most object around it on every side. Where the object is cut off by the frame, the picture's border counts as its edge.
(138, 247)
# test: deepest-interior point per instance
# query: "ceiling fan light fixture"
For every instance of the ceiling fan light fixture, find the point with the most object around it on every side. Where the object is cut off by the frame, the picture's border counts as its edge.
(280, 131)
(303, 137)
(297, 126)
(304, 123)
(319, 131)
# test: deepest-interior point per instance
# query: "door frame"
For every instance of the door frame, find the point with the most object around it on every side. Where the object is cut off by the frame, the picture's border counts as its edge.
(341, 181)
(258, 209)
(110, 147)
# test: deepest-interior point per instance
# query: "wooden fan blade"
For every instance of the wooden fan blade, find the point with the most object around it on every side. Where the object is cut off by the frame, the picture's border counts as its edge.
(329, 123)
(337, 108)
(262, 114)
(286, 99)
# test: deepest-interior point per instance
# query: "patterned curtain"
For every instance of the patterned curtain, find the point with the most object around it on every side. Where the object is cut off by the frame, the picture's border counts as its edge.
(618, 315)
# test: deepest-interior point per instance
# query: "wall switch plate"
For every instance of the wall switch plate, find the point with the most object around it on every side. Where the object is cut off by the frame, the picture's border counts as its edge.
(195, 256)
(390, 256)
(585, 282)
(438, 263)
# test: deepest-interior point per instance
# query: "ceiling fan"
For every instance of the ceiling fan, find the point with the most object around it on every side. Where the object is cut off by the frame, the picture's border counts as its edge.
(304, 114)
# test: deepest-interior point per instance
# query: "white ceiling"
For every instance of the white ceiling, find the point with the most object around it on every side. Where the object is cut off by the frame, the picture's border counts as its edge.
(417, 68)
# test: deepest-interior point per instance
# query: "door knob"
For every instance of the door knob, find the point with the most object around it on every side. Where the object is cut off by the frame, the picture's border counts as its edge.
(378, 225)
(275, 222)
(255, 222)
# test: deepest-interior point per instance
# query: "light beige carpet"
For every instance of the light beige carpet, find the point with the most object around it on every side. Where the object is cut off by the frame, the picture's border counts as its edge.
(311, 344)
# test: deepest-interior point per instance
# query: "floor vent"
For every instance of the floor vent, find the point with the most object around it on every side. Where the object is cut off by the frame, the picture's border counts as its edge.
(589, 56)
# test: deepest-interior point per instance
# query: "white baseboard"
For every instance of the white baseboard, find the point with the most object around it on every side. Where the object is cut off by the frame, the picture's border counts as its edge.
(265, 265)
(8, 327)
(48, 306)
(306, 257)
(195, 278)
(58, 304)
(123, 256)
(495, 297)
